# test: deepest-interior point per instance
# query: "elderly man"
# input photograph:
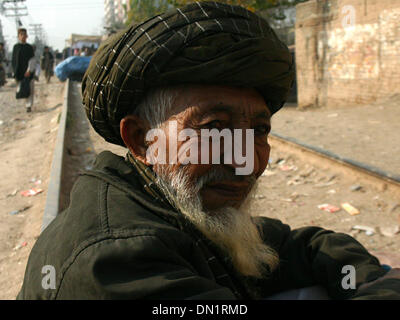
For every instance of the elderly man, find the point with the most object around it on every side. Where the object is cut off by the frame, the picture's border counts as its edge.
(165, 224)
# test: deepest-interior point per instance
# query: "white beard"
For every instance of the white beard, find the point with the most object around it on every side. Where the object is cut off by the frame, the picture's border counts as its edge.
(231, 229)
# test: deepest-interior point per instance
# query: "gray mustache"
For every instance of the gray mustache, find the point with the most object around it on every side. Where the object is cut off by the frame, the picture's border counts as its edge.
(223, 174)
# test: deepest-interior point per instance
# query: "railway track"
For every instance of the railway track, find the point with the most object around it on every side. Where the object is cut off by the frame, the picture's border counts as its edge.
(375, 177)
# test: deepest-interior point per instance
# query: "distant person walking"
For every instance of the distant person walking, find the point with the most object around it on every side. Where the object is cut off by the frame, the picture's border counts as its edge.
(3, 80)
(22, 54)
(58, 56)
(47, 63)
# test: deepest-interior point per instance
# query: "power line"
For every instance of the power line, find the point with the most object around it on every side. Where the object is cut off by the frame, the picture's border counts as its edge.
(66, 7)
(54, 5)
(39, 35)
(63, 9)
(69, 4)
(36, 28)
(1, 33)
(14, 9)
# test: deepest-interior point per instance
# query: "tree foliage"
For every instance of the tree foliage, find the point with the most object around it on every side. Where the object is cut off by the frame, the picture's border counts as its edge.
(248, 4)
(252, 5)
(144, 9)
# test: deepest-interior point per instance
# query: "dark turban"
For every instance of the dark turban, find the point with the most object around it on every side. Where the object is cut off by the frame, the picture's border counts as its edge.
(201, 43)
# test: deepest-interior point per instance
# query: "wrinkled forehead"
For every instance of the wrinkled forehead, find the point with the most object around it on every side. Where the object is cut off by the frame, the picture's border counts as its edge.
(237, 101)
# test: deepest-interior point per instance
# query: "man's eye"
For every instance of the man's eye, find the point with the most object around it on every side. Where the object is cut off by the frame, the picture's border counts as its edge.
(262, 129)
(213, 124)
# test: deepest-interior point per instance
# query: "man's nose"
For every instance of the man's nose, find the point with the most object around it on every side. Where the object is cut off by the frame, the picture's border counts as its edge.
(241, 149)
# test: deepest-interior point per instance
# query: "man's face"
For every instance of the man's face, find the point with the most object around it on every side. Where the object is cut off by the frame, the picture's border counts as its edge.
(210, 195)
(22, 36)
(220, 107)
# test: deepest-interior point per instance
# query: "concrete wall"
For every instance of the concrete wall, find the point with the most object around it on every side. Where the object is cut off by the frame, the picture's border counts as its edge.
(347, 51)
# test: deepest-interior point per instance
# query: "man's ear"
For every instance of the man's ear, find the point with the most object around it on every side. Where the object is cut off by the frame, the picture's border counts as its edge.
(133, 132)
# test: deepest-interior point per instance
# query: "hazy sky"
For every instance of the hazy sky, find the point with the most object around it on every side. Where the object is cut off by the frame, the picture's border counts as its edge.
(59, 18)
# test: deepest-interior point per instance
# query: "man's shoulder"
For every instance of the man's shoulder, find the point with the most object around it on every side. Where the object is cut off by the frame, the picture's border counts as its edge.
(113, 202)
(105, 212)
(30, 49)
(269, 225)
(273, 231)
(26, 47)
(109, 198)
(103, 203)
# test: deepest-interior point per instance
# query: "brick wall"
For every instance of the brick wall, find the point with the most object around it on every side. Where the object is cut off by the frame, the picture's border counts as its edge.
(347, 51)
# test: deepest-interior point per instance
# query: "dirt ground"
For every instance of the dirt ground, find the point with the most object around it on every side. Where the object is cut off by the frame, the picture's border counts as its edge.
(290, 190)
(369, 134)
(26, 149)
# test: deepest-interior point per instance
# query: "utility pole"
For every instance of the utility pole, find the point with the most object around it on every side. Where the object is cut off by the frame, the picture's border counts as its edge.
(37, 30)
(16, 9)
(1, 33)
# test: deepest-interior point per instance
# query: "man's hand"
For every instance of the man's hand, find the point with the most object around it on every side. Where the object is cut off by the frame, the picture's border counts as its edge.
(27, 74)
(392, 274)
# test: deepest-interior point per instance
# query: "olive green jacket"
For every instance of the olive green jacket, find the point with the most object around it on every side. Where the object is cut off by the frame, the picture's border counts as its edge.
(115, 241)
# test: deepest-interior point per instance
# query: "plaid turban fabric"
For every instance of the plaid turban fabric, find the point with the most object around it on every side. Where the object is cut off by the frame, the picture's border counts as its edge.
(201, 43)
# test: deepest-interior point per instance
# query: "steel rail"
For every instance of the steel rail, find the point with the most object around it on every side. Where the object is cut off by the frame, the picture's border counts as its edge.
(363, 170)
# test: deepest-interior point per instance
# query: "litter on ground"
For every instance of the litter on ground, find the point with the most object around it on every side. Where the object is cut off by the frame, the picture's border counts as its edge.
(31, 192)
(350, 209)
(328, 207)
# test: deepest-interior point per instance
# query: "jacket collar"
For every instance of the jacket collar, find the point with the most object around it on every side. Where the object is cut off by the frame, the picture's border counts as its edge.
(121, 174)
